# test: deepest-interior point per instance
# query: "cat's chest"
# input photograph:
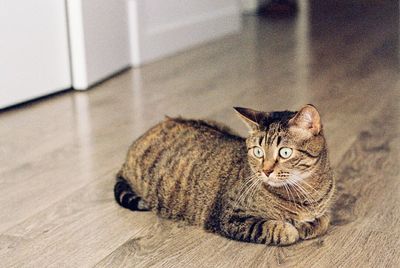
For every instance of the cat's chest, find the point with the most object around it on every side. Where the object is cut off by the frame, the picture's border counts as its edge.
(274, 208)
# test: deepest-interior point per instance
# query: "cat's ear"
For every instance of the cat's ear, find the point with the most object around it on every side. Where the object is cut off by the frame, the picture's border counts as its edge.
(307, 119)
(250, 117)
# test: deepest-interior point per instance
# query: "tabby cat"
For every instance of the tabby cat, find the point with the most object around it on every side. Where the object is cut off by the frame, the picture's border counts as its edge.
(275, 187)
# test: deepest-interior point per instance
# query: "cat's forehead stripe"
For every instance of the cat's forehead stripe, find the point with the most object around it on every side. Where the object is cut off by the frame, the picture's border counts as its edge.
(279, 140)
(272, 133)
(273, 138)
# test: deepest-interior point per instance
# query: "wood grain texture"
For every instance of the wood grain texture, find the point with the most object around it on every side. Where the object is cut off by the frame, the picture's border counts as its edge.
(58, 156)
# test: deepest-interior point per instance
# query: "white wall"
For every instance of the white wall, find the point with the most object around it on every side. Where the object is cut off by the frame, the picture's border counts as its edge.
(34, 57)
(163, 27)
(160, 14)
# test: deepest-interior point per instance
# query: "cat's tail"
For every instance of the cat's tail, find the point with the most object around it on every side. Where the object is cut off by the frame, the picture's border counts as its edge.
(126, 197)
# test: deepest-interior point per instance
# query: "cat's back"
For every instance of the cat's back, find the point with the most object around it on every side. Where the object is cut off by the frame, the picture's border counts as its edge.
(179, 163)
(183, 137)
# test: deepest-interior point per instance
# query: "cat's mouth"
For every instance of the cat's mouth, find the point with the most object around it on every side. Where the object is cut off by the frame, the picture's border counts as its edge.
(273, 179)
(282, 179)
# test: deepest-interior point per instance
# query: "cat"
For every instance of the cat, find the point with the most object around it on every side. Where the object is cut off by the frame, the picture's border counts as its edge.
(275, 187)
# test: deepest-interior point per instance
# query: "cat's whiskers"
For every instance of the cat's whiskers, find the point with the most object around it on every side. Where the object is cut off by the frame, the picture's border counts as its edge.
(259, 182)
(253, 188)
(246, 188)
(314, 204)
(309, 186)
(297, 179)
(245, 194)
(307, 193)
(290, 197)
(299, 192)
(293, 198)
(296, 191)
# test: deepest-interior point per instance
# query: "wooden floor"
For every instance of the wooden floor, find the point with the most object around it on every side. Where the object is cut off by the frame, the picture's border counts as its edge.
(58, 156)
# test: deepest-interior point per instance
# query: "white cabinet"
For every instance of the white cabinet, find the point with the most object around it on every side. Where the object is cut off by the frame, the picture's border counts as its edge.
(99, 40)
(34, 58)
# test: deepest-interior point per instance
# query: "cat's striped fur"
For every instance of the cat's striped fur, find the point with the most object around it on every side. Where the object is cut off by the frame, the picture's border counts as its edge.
(203, 173)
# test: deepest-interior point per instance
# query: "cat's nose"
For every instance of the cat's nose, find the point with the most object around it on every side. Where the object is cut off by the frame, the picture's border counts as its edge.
(268, 167)
(268, 172)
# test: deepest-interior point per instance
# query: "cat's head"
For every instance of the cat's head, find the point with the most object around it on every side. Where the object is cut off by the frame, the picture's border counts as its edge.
(284, 147)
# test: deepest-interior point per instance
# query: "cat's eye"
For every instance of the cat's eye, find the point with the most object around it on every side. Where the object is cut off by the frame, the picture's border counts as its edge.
(258, 152)
(285, 152)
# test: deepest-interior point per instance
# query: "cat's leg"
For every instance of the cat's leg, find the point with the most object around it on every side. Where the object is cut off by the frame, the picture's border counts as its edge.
(309, 230)
(126, 197)
(261, 231)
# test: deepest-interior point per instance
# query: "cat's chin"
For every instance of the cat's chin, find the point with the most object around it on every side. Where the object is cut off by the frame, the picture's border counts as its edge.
(271, 181)
(274, 183)
(294, 178)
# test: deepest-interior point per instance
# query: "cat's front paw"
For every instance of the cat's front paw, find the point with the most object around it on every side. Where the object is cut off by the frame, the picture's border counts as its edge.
(282, 233)
(310, 230)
